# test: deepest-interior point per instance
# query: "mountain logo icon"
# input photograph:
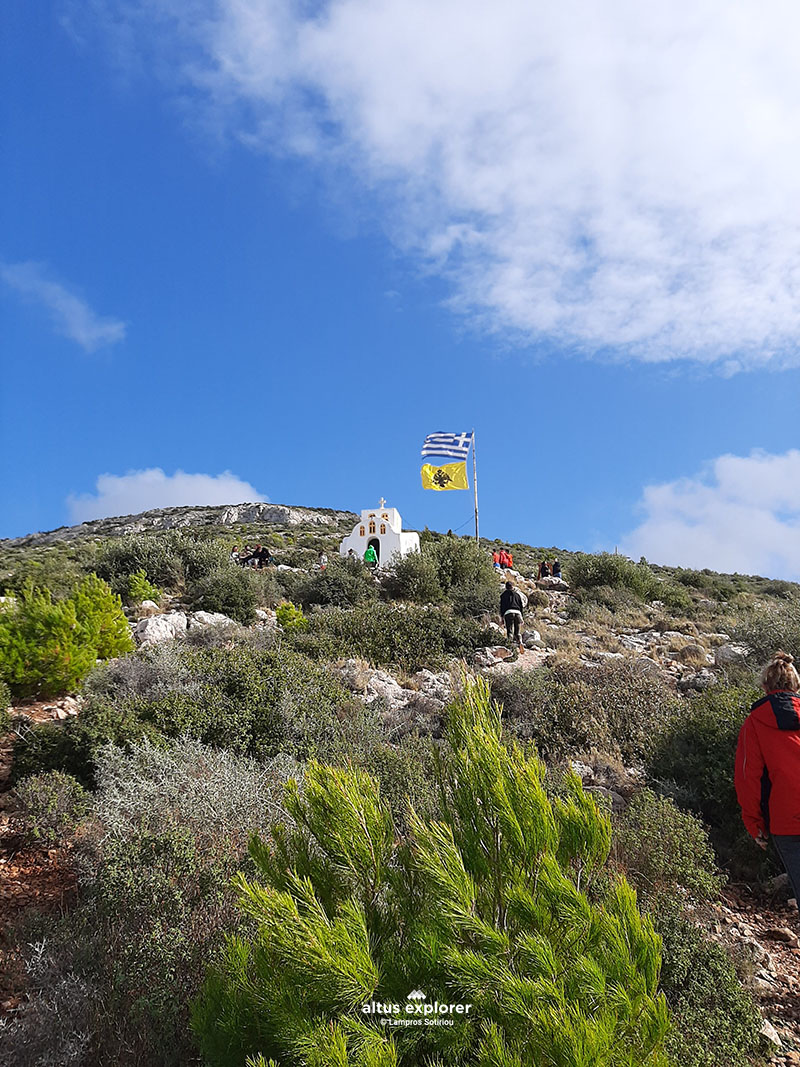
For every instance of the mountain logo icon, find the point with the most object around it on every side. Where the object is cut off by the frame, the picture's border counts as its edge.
(416, 994)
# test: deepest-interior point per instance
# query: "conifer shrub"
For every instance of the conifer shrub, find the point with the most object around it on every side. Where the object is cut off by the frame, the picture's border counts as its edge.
(291, 618)
(48, 647)
(139, 589)
(485, 907)
(769, 629)
(661, 848)
(406, 636)
(569, 709)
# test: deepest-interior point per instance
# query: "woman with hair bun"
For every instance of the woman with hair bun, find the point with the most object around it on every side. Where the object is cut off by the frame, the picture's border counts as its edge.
(767, 772)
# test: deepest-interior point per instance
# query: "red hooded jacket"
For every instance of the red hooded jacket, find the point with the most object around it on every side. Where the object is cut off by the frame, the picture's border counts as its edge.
(767, 772)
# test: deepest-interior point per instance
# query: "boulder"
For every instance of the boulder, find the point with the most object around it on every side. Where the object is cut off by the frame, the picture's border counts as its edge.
(699, 682)
(160, 628)
(531, 638)
(730, 655)
(199, 619)
(149, 607)
(438, 687)
(552, 584)
(488, 657)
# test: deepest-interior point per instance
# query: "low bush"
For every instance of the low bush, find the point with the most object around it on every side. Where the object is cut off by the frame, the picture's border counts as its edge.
(47, 647)
(606, 569)
(413, 577)
(409, 637)
(342, 584)
(568, 709)
(233, 591)
(173, 826)
(484, 907)
(693, 757)
(770, 629)
(258, 702)
(715, 1021)
(52, 805)
(154, 554)
(661, 848)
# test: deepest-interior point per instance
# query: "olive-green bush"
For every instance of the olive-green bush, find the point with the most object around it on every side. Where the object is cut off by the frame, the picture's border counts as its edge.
(407, 636)
(570, 709)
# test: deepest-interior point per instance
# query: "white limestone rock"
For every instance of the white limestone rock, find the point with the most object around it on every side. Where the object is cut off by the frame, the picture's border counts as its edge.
(160, 628)
(730, 655)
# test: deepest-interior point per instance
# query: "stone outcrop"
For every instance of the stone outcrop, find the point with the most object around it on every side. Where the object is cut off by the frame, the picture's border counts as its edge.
(182, 517)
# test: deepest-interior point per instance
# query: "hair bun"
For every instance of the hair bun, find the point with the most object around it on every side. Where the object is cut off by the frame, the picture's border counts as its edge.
(782, 657)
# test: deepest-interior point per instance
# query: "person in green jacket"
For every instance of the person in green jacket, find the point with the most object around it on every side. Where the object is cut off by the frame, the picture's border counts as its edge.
(371, 557)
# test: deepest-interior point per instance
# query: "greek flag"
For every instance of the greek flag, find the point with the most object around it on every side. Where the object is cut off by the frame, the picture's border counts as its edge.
(454, 445)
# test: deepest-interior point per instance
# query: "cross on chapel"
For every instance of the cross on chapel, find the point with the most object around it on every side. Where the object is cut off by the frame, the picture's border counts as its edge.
(382, 503)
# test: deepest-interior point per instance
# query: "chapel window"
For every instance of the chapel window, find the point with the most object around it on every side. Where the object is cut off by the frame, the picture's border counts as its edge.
(383, 527)
(372, 526)
(361, 532)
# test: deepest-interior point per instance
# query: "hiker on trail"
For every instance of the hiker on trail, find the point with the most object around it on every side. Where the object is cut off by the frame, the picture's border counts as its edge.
(322, 562)
(352, 557)
(509, 560)
(544, 570)
(556, 569)
(767, 774)
(371, 557)
(511, 610)
(496, 560)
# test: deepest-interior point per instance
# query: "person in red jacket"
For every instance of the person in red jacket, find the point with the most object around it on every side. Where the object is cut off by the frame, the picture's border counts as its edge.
(767, 774)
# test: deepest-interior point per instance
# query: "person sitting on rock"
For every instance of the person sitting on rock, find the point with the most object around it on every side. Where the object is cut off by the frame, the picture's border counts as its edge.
(511, 610)
(767, 770)
(264, 557)
(544, 570)
(556, 569)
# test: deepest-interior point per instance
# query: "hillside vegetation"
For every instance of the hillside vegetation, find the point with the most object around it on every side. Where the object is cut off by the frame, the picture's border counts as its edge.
(280, 795)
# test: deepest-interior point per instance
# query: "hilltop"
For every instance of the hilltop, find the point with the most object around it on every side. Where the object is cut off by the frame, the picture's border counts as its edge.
(180, 691)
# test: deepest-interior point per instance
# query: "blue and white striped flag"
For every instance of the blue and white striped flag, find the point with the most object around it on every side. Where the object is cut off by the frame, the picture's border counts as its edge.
(454, 445)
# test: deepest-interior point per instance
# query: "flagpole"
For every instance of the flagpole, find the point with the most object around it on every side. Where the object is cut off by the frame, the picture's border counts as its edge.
(475, 483)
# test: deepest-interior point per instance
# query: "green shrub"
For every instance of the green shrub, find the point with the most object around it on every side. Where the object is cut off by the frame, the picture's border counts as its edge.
(233, 591)
(413, 577)
(291, 618)
(407, 636)
(675, 598)
(590, 571)
(5, 696)
(154, 554)
(54, 571)
(139, 589)
(568, 709)
(258, 702)
(48, 647)
(484, 907)
(342, 584)
(715, 1021)
(770, 629)
(200, 558)
(661, 848)
(693, 757)
(52, 804)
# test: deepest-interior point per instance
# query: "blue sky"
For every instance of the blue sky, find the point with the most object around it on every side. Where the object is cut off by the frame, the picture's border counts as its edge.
(264, 249)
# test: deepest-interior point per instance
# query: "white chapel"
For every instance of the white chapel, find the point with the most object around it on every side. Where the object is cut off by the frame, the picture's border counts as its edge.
(382, 528)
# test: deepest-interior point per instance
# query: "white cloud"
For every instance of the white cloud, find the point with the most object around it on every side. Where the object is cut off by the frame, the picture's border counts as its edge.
(136, 491)
(71, 315)
(741, 513)
(616, 175)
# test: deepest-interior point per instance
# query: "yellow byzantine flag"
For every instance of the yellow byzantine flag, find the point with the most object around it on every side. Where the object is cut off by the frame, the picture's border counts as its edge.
(448, 476)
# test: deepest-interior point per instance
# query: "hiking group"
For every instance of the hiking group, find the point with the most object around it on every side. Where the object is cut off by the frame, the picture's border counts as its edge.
(251, 556)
